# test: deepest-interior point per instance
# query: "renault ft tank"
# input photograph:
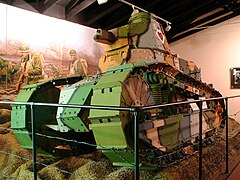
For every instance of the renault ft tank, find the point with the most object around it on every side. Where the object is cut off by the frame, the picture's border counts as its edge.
(137, 70)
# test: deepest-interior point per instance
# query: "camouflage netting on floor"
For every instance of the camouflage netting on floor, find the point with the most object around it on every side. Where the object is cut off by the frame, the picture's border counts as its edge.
(15, 162)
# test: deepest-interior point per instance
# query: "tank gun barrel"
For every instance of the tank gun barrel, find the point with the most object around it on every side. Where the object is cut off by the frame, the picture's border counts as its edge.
(105, 37)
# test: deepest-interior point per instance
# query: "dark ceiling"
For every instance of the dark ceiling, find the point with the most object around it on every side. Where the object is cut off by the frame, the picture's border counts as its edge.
(187, 16)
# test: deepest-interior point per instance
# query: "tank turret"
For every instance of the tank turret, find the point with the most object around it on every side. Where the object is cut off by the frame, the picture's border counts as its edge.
(142, 39)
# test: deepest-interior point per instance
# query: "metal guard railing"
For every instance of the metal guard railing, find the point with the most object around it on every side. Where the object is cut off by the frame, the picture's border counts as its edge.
(136, 111)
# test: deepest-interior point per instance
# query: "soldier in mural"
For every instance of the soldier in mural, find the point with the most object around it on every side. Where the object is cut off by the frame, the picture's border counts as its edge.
(7, 69)
(31, 67)
(77, 66)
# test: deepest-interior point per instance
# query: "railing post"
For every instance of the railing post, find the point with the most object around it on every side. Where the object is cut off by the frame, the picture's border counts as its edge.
(34, 154)
(200, 140)
(6, 76)
(136, 144)
(226, 100)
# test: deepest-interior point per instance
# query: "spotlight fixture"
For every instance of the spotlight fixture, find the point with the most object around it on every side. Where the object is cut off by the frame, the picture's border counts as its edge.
(153, 15)
(135, 11)
(168, 27)
(102, 1)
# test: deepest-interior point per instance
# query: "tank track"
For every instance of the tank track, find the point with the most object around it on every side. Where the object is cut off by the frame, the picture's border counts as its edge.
(155, 157)
(158, 158)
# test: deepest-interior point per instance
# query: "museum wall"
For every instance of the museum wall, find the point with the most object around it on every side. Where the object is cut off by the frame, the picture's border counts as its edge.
(52, 37)
(215, 50)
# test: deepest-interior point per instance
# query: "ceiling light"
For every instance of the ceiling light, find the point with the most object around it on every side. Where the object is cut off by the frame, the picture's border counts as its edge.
(168, 27)
(135, 11)
(102, 1)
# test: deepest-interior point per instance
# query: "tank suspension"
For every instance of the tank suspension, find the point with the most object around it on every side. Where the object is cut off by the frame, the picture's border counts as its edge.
(152, 77)
(154, 81)
(156, 92)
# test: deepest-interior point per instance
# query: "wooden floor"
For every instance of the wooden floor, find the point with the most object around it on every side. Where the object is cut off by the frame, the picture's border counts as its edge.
(235, 174)
(233, 170)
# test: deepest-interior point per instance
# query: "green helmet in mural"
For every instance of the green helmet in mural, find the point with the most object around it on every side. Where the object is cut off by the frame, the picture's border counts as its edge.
(72, 52)
(24, 48)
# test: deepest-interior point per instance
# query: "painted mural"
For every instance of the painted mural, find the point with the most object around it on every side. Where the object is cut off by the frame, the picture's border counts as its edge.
(51, 37)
